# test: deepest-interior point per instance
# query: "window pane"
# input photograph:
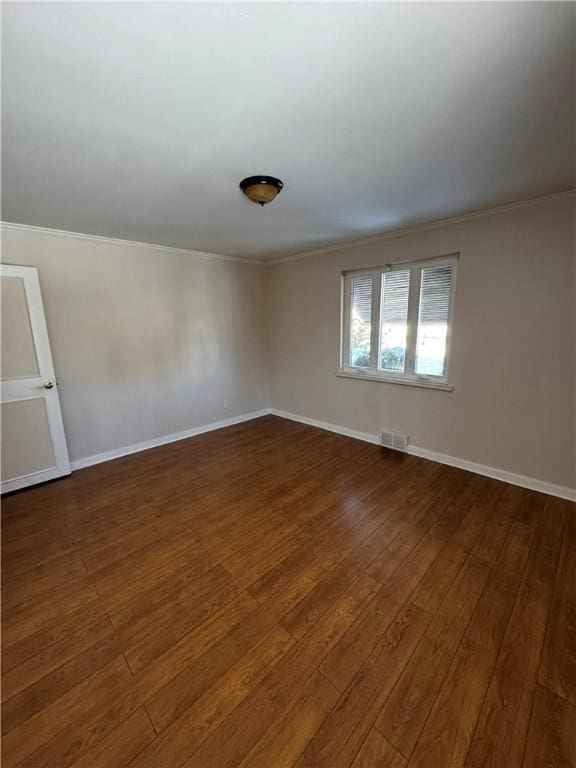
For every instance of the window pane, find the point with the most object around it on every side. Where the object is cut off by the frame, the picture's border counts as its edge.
(361, 321)
(394, 320)
(433, 320)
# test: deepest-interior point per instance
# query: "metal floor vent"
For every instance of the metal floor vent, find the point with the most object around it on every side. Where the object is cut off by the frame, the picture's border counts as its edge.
(397, 441)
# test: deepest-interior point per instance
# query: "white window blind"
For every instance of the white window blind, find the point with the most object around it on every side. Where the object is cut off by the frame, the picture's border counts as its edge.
(435, 292)
(361, 321)
(394, 320)
(397, 320)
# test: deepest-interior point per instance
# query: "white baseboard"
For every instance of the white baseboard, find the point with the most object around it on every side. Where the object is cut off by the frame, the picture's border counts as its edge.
(424, 453)
(365, 436)
(442, 458)
(116, 453)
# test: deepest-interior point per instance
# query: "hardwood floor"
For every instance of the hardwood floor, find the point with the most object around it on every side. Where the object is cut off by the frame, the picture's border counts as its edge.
(275, 595)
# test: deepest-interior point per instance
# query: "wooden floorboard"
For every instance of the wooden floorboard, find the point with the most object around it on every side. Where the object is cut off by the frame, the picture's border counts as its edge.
(273, 595)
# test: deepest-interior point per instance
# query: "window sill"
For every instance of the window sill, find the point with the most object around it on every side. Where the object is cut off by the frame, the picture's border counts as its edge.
(395, 380)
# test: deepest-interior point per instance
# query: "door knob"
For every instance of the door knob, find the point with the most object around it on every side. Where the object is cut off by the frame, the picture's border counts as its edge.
(48, 385)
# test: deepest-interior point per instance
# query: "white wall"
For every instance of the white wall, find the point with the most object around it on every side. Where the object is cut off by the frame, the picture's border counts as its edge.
(512, 366)
(146, 342)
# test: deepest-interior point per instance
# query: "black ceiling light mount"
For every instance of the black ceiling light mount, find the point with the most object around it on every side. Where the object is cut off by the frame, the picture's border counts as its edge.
(261, 189)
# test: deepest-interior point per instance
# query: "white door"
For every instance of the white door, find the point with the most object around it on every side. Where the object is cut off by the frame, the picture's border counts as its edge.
(33, 441)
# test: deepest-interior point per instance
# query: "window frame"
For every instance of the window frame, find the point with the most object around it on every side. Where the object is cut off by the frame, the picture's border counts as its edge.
(408, 375)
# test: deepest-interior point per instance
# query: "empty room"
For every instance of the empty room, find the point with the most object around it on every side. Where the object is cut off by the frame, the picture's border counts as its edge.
(288, 377)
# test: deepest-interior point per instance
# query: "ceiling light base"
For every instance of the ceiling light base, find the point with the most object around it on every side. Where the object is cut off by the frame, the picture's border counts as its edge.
(261, 189)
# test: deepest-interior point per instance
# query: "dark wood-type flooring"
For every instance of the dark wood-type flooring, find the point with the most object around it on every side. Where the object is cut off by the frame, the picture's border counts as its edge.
(275, 595)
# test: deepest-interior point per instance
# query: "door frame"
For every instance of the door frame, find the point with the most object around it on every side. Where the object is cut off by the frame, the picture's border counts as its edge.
(9, 388)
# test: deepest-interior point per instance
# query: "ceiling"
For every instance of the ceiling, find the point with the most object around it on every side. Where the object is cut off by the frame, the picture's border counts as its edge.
(138, 120)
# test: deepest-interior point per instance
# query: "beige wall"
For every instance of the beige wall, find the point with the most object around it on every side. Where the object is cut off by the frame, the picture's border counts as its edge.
(512, 365)
(146, 342)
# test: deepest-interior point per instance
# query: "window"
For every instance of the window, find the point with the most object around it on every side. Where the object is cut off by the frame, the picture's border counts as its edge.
(396, 323)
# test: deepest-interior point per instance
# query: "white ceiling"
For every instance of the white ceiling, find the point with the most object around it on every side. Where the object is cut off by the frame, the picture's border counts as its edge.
(138, 120)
